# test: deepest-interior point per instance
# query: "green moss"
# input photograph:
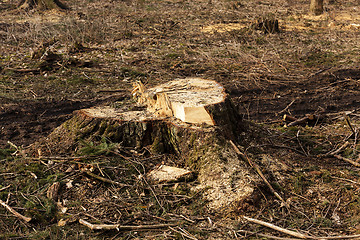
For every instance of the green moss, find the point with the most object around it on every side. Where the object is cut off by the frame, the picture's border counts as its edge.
(300, 183)
(6, 153)
(158, 146)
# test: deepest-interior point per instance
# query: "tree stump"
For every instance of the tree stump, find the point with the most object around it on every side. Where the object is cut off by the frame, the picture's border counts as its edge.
(41, 4)
(316, 7)
(192, 118)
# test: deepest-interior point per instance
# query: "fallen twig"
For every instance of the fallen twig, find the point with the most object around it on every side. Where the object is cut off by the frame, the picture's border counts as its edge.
(296, 234)
(287, 107)
(336, 155)
(22, 70)
(301, 120)
(111, 91)
(347, 180)
(120, 227)
(4, 188)
(356, 164)
(264, 235)
(288, 118)
(10, 209)
(279, 229)
(334, 152)
(256, 167)
(184, 233)
(106, 180)
(349, 124)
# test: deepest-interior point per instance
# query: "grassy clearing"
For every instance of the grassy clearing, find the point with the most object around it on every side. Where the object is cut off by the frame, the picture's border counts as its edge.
(109, 46)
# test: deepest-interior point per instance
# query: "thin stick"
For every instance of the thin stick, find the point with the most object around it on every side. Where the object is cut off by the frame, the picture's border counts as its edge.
(265, 235)
(296, 234)
(331, 153)
(4, 188)
(279, 229)
(356, 164)
(106, 180)
(122, 228)
(183, 234)
(298, 121)
(349, 124)
(10, 209)
(287, 107)
(256, 167)
(347, 180)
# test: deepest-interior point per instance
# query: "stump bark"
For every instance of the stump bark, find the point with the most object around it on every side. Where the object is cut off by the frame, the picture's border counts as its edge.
(316, 7)
(41, 4)
(193, 119)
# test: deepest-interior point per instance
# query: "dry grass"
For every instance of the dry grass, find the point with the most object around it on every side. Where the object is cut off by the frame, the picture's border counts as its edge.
(313, 61)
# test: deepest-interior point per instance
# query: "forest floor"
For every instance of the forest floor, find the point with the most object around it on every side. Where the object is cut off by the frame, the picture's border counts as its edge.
(55, 62)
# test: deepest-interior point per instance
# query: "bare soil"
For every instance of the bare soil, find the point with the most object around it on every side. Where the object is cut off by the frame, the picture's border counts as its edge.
(55, 62)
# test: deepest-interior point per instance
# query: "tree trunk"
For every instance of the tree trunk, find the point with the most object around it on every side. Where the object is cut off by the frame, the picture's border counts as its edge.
(41, 4)
(193, 119)
(316, 7)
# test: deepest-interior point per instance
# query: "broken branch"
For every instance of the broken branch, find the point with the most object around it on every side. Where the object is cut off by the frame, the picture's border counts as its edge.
(10, 209)
(122, 228)
(296, 234)
(356, 164)
(106, 180)
(256, 167)
(279, 229)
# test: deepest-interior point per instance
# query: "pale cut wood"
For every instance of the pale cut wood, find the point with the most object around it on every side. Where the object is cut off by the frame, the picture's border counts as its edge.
(169, 174)
(189, 100)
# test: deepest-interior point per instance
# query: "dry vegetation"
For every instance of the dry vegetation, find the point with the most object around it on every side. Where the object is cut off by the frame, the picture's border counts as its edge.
(55, 62)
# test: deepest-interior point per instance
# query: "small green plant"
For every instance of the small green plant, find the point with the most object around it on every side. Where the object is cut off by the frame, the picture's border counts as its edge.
(96, 149)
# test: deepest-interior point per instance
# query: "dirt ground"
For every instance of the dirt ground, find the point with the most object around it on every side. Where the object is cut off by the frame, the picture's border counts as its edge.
(55, 62)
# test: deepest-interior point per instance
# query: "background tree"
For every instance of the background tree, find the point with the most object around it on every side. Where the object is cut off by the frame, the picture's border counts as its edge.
(316, 7)
(41, 4)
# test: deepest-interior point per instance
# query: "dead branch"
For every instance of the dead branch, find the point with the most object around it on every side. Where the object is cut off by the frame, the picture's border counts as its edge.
(106, 180)
(356, 164)
(256, 167)
(22, 70)
(10, 209)
(299, 121)
(346, 180)
(287, 107)
(349, 124)
(111, 91)
(183, 233)
(119, 227)
(288, 118)
(264, 235)
(334, 152)
(296, 234)
(4, 188)
(279, 229)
